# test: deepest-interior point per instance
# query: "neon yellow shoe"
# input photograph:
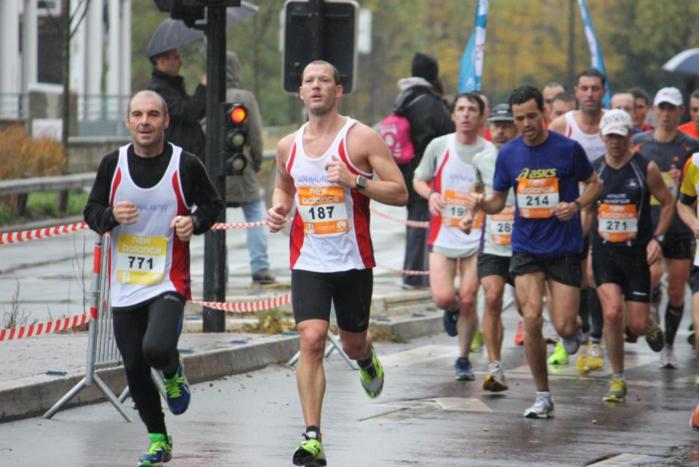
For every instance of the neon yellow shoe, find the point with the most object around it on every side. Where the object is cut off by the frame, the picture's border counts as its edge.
(477, 342)
(309, 452)
(595, 357)
(372, 377)
(159, 451)
(559, 355)
(617, 391)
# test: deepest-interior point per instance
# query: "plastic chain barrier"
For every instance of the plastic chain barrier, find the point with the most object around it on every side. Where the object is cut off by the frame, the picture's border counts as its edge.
(35, 329)
(248, 306)
(409, 223)
(405, 272)
(48, 232)
(38, 234)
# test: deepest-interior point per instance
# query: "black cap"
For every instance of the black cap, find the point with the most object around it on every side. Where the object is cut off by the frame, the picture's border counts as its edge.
(500, 113)
(425, 66)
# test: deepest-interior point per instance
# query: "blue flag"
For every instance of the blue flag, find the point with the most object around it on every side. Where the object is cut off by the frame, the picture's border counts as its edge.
(472, 59)
(596, 58)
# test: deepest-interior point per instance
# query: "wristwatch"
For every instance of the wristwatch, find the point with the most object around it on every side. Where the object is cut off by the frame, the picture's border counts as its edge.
(659, 238)
(578, 206)
(361, 182)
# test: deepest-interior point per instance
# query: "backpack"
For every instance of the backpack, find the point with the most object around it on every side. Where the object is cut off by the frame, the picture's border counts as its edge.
(395, 131)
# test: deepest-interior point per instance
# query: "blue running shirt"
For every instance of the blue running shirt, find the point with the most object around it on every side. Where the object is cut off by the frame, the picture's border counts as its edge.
(541, 177)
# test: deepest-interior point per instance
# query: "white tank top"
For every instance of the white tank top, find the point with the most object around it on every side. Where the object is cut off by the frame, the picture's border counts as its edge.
(454, 179)
(592, 143)
(146, 258)
(330, 230)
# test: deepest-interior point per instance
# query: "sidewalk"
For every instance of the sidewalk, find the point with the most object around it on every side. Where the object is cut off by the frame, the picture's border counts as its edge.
(38, 371)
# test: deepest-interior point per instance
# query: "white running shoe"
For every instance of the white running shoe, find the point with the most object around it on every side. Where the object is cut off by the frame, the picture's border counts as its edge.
(667, 358)
(542, 408)
(571, 345)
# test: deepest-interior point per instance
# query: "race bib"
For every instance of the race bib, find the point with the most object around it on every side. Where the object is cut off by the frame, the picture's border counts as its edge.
(537, 197)
(323, 210)
(501, 226)
(669, 182)
(617, 222)
(141, 259)
(454, 209)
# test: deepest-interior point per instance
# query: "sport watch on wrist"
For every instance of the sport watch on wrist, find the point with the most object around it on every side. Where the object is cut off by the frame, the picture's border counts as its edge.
(659, 238)
(361, 182)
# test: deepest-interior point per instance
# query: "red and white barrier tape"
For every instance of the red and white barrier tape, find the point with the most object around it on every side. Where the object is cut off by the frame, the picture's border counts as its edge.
(38, 234)
(35, 329)
(48, 232)
(238, 225)
(251, 306)
(409, 223)
(405, 272)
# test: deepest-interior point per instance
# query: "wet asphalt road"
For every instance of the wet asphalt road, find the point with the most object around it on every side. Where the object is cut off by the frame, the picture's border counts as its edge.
(423, 418)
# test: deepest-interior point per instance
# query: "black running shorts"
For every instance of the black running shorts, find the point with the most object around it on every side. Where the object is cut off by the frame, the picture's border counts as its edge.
(494, 265)
(678, 246)
(694, 280)
(350, 292)
(564, 269)
(629, 270)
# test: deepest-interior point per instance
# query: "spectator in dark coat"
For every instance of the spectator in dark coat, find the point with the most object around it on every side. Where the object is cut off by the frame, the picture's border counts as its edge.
(244, 190)
(185, 111)
(421, 102)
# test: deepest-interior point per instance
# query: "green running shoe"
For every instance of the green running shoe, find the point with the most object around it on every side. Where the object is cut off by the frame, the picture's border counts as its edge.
(477, 342)
(159, 452)
(309, 453)
(559, 355)
(372, 377)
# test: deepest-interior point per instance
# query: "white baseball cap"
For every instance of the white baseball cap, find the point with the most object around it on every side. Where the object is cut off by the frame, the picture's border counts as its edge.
(671, 95)
(616, 122)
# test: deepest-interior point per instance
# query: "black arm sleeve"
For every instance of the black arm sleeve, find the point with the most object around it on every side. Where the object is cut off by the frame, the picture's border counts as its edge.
(97, 212)
(199, 190)
(688, 200)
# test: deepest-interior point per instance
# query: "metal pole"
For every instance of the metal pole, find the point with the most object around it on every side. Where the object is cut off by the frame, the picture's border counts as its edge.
(571, 41)
(316, 26)
(215, 241)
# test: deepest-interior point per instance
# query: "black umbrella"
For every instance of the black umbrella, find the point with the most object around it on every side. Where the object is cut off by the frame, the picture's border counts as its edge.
(686, 62)
(173, 33)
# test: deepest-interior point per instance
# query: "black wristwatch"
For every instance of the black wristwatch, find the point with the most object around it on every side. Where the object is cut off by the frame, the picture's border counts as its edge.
(361, 182)
(659, 238)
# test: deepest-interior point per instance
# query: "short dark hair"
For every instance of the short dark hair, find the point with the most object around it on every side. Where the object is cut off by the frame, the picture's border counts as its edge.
(694, 94)
(565, 97)
(638, 92)
(591, 72)
(471, 97)
(154, 59)
(526, 93)
(554, 84)
(336, 73)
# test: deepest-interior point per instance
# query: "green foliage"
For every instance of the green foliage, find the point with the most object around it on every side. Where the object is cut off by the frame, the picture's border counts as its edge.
(41, 206)
(527, 41)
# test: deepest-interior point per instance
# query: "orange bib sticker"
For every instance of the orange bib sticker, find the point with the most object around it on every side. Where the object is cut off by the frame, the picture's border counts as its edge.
(454, 209)
(501, 226)
(323, 210)
(617, 222)
(537, 198)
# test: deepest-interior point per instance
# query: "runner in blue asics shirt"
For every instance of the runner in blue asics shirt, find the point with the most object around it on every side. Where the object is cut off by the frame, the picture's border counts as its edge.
(543, 169)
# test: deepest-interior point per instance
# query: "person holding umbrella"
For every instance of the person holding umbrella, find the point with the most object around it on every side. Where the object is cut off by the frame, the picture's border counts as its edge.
(185, 111)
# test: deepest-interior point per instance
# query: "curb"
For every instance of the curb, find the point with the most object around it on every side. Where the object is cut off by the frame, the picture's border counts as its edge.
(35, 395)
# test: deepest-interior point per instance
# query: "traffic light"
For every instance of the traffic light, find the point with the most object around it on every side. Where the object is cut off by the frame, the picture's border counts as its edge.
(235, 135)
(329, 34)
(190, 11)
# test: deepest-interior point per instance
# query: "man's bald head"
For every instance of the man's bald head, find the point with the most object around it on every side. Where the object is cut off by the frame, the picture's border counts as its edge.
(150, 95)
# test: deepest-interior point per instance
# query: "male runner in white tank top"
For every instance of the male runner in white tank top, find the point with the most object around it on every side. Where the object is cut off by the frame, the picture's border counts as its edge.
(326, 171)
(583, 126)
(445, 175)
